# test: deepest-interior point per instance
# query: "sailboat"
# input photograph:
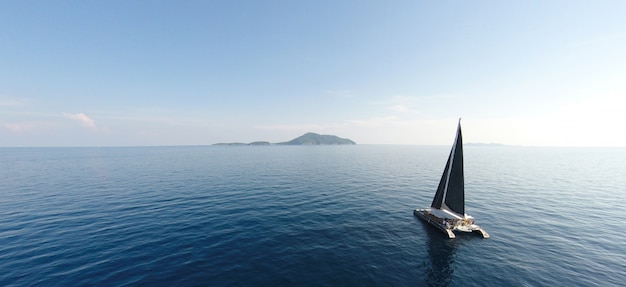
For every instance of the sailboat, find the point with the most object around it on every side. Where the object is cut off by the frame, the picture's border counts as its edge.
(447, 211)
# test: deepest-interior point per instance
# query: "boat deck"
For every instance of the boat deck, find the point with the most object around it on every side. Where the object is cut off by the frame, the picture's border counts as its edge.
(449, 225)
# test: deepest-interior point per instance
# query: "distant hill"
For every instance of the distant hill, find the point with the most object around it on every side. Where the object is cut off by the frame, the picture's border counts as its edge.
(317, 139)
(306, 139)
(231, 144)
(259, 143)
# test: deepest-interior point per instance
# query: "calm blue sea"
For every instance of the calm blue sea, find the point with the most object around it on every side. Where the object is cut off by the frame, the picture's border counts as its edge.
(307, 216)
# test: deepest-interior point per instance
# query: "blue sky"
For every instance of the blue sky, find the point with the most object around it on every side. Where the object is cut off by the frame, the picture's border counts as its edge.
(102, 73)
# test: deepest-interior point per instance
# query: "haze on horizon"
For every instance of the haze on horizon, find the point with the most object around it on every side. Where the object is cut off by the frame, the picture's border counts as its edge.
(120, 73)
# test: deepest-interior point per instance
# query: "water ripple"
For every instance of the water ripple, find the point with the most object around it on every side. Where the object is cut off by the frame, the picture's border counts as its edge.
(306, 216)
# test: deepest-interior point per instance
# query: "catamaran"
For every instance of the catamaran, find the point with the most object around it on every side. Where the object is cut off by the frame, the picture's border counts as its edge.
(447, 211)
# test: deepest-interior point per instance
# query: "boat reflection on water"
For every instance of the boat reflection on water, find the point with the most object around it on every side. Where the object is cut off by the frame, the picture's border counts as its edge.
(440, 269)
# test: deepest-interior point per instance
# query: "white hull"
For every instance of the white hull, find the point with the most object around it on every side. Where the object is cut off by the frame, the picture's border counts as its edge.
(449, 224)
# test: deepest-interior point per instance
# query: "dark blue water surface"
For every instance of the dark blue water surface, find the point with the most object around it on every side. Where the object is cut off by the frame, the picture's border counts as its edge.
(307, 216)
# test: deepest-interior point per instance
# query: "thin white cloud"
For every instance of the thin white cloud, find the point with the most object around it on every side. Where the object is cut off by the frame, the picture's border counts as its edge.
(400, 104)
(12, 102)
(290, 128)
(17, 127)
(27, 126)
(422, 106)
(375, 122)
(83, 119)
(399, 108)
(396, 130)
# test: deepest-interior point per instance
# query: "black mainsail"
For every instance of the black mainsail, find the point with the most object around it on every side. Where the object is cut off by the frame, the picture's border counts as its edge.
(451, 191)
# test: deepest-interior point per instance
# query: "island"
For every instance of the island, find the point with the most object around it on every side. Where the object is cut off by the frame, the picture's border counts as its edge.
(305, 139)
(317, 139)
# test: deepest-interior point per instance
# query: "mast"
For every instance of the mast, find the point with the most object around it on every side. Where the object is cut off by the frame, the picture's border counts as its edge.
(450, 193)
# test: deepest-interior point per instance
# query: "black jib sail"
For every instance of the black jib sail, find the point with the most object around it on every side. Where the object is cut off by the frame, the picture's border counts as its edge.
(451, 191)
